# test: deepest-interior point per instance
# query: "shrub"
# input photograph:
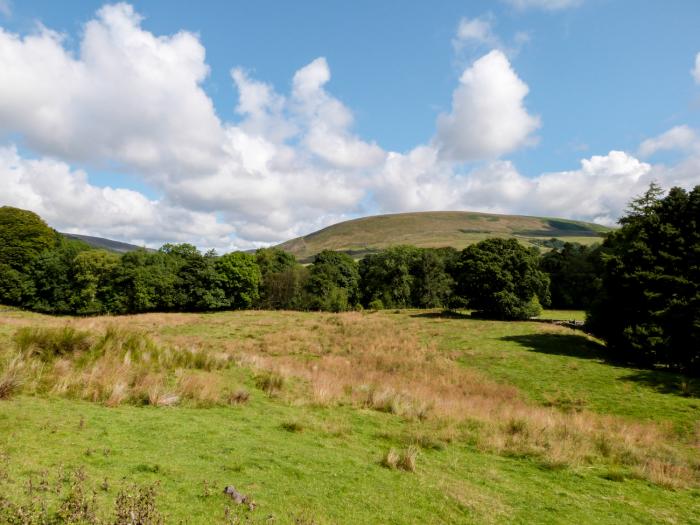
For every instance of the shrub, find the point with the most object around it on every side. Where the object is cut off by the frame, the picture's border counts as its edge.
(376, 304)
(49, 343)
(403, 460)
(11, 377)
(270, 382)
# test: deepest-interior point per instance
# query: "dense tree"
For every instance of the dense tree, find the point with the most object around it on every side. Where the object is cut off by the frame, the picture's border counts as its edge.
(283, 279)
(648, 310)
(386, 277)
(500, 278)
(432, 284)
(333, 282)
(23, 236)
(52, 278)
(240, 279)
(92, 275)
(145, 281)
(573, 271)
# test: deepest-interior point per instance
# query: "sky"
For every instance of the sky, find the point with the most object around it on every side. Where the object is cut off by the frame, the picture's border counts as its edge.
(233, 125)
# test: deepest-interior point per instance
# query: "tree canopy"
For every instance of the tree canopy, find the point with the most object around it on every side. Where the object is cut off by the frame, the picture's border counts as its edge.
(501, 279)
(648, 309)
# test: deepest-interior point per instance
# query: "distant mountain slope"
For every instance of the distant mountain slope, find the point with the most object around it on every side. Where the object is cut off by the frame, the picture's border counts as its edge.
(104, 244)
(437, 229)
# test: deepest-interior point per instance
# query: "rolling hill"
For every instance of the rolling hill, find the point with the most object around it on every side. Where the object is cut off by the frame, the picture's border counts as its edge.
(437, 229)
(104, 244)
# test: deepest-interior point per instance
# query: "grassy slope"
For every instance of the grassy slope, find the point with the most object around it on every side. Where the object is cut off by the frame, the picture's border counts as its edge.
(437, 229)
(330, 471)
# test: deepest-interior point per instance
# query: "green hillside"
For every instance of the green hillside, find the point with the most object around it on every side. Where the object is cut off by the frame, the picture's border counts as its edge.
(104, 244)
(437, 229)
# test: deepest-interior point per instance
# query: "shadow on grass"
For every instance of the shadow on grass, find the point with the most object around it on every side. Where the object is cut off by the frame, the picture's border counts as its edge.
(560, 344)
(666, 382)
(662, 381)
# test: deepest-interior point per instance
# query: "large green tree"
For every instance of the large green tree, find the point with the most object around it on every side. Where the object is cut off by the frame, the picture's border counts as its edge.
(501, 279)
(23, 236)
(239, 278)
(648, 310)
(333, 282)
(386, 276)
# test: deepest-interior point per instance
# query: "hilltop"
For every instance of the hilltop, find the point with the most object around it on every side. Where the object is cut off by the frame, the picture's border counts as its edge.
(435, 229)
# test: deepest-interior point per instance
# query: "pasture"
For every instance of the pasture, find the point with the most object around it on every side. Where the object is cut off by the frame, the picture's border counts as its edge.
(362, 417)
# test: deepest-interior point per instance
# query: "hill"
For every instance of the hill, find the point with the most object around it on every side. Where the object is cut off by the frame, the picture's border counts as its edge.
(438, 229)
(104, 244)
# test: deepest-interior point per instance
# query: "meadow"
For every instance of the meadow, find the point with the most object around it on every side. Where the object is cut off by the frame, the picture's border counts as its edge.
(394, 416)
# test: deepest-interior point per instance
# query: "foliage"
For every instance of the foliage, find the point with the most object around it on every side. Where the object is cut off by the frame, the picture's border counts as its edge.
(23, 236)
(240, 278)
(386, 276)
(649, 307)
(405, 276)
(500, 278)
(334, 282)
(573, 271)
(283, 280)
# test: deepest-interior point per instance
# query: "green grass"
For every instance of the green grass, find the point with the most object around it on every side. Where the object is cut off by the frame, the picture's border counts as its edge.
(332, 476)
(550, 363)
(438, 229)
(563, 315)
(304, 463)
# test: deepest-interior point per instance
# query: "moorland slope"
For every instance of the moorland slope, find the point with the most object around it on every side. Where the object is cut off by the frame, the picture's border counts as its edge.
(436, 229)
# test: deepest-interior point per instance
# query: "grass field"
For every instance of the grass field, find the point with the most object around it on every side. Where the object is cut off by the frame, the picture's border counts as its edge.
(438, 229)
(499, 422)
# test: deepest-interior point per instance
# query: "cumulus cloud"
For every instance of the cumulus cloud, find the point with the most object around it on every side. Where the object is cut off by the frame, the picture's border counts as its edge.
(488, 117)
(291, 163)
(128, 96)
(598, 191)
(696, 70)
(548, 5)
(679, 138)
(328, 121)
(67, 201)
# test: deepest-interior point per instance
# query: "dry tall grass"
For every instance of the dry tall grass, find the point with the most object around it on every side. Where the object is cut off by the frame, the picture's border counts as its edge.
(370, 362)
(365, 360)
(113, 367)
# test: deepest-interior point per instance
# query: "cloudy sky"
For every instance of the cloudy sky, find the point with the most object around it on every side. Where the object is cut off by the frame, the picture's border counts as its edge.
(239, 124)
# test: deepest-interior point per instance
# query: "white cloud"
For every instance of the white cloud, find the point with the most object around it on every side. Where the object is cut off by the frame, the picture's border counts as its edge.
(548, 5)
(128, 96)
(477, 31)
(68, 202)
(680, 138)
(696, 71)
(291, 163)
(328, 121)
(598, 191)
(488, 118)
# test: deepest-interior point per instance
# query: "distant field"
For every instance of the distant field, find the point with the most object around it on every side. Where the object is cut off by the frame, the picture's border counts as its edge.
(438, 229)
(520, 422)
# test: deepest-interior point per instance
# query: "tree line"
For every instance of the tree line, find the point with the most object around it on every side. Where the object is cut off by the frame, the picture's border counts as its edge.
(640, 287)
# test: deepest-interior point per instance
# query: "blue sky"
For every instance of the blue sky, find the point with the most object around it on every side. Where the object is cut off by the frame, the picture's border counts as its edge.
(589, 78)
